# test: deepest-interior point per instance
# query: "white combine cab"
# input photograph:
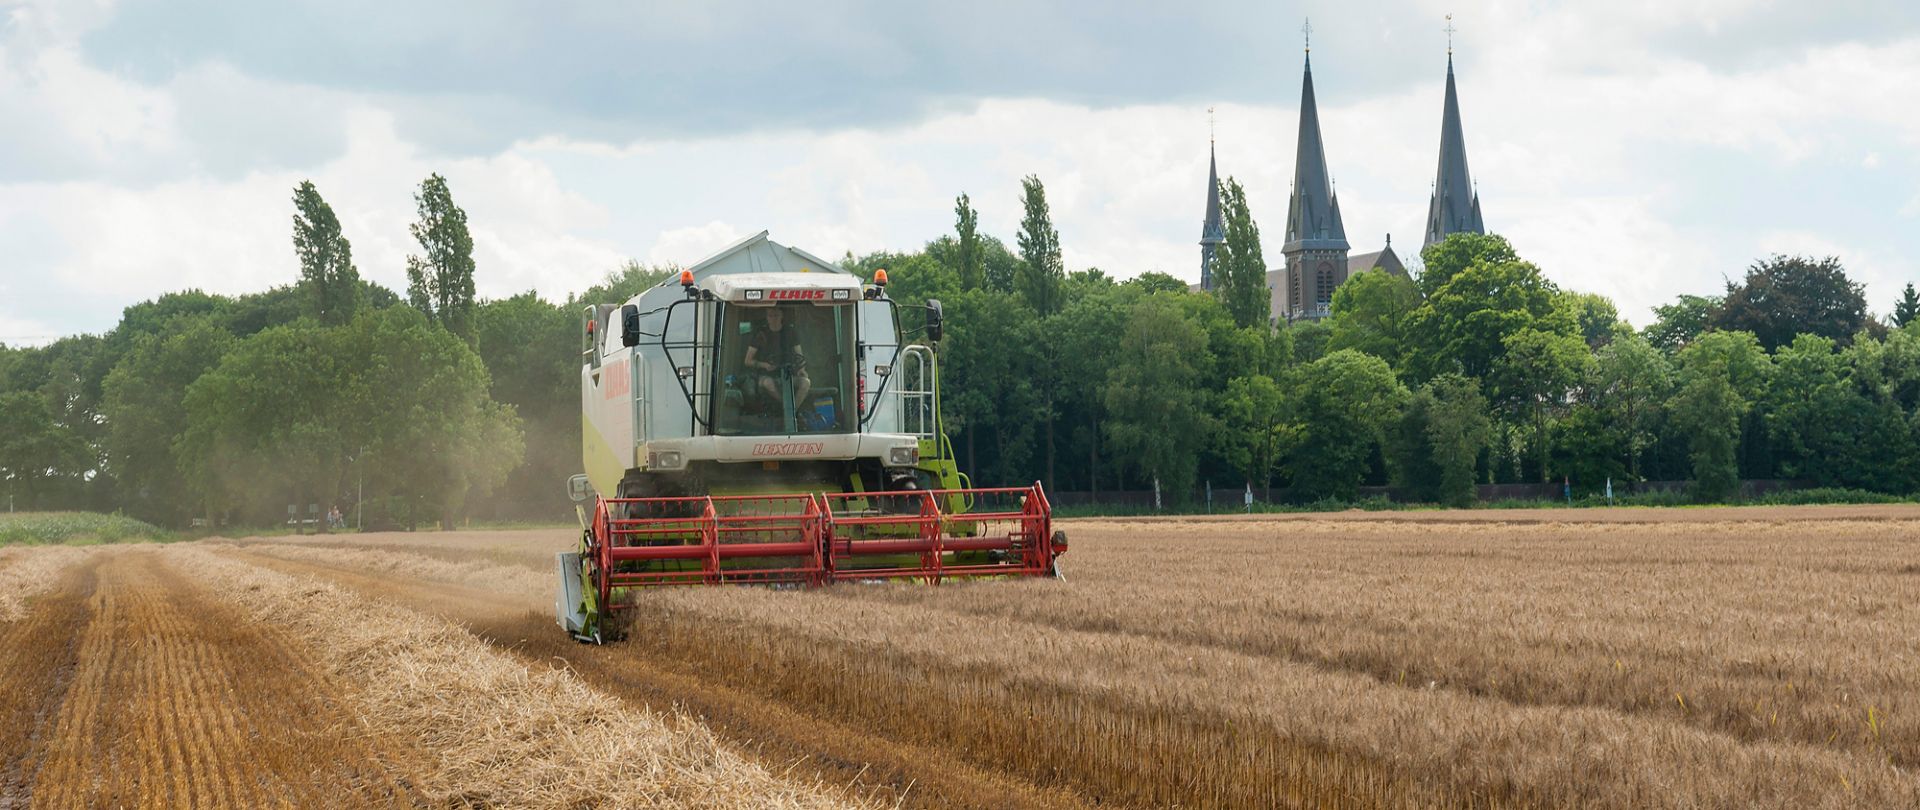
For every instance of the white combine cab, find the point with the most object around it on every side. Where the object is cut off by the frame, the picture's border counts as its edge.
(763, 418)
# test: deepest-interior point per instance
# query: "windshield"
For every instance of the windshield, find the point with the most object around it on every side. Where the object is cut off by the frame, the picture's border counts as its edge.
(785, 369)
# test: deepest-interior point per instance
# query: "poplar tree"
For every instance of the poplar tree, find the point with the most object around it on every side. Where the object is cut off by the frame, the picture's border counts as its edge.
(1239, 266)
(440, 283)
(967, 224)
(327, 274)
(1041, 273)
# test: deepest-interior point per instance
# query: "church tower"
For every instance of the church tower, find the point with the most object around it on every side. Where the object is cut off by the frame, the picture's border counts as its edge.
(1316, 247)
(1455, 207)
(1212, 231)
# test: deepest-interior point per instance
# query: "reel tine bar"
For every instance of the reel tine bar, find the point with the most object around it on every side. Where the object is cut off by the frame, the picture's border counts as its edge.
(816, 539)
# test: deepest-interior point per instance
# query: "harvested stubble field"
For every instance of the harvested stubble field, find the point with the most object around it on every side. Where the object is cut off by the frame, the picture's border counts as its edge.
(1629, 658)
(180, 677)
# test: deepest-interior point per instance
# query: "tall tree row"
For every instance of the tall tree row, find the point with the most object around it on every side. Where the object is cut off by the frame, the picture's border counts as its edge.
(1479, 370)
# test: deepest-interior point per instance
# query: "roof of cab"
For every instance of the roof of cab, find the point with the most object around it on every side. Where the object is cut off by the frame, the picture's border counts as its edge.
(758, 254)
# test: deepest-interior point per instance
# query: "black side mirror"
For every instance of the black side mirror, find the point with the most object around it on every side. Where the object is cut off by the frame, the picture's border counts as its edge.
(936, 320)
(630, 325)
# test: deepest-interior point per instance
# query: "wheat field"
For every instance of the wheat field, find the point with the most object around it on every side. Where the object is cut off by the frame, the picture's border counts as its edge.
(1630, 658)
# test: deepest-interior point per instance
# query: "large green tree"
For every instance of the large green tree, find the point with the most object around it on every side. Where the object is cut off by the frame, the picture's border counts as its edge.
(1443, 260)
(67, 375)
(1784, 296)
(1346, 401)
(1464, 325)
(439, 441)
(532, 353)
(35, 449)
(1370, 313)
(1241, 269)
(1594, 317)
(291, 412)
(263, 427)
(1830, 428)
(1157, 409)
(1256, 433)
(1532, 380)
(1721, 374)
(988, 392)
(440, 281)
(327, 274)
(1082, 337)
(1631, 380)
(146, 414)
(1436, 444)
(1808, 401)
(1678, 323)
(1041, 272)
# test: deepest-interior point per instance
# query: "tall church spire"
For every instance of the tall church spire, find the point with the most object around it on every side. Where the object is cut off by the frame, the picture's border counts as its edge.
(1316, 246)
(1212, 231)
(1455, 207)
(1313, 215)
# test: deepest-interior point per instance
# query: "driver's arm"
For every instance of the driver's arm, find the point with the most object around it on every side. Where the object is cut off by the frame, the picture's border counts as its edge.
(753, 351)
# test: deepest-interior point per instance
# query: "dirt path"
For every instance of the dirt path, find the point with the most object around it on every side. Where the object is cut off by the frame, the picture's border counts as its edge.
(785, 738)
(130, 685)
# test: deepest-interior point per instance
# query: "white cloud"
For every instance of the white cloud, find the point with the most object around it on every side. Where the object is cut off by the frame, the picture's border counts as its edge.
(234, 236)
(685, 246)
(1581, 134)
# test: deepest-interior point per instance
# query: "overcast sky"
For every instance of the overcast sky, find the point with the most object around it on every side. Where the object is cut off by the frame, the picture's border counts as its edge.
(1636, 148)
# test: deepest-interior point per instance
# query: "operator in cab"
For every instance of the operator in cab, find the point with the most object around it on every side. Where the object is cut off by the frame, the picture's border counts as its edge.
(774, 350)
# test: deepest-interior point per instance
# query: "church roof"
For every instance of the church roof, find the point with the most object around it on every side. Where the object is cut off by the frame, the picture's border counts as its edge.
(1313, 213)
(1455, 207)
(1383, 258)
(1213, 230)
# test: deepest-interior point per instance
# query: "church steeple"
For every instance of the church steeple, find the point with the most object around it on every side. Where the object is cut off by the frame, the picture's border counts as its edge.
(1316, 246)
(1313, 213)
(1212, 231)
(1455, 207)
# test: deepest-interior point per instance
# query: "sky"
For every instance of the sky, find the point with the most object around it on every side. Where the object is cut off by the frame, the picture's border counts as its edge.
(1640, 149)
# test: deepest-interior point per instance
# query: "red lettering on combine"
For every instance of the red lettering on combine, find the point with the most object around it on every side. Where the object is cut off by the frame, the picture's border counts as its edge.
(615, 381)
(796, 295)
(789, 448)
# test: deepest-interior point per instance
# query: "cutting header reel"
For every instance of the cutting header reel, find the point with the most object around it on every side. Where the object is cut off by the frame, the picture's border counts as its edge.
(804, 540)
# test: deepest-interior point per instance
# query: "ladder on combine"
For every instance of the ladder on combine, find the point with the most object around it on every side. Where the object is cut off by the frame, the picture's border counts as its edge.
(811, 540)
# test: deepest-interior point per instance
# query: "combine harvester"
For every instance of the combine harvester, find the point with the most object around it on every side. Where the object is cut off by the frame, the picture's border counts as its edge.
(764, 419)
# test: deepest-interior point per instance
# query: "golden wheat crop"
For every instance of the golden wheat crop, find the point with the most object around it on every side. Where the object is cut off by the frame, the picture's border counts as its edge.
(1647, 659)
(1672, 664)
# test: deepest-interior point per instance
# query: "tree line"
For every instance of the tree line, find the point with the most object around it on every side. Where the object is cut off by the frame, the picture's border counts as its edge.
(1477, 369)
(328, 391)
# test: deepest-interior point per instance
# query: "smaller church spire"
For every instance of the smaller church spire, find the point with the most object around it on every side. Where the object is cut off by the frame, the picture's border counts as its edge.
(1213, 230)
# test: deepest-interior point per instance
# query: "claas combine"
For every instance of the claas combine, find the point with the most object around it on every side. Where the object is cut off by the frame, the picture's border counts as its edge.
(763, 418)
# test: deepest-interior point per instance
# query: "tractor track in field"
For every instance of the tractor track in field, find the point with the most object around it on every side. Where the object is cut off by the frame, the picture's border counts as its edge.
(783, 737)
(39, 657)
(131, 685)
